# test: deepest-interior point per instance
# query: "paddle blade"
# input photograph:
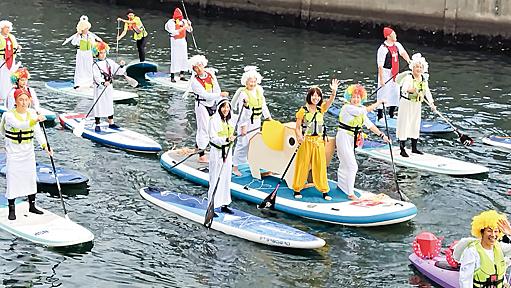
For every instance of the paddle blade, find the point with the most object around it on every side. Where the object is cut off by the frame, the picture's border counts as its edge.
(269, 201)
(465, 140)
(79, 128)
(403, 197)
(133, 83)
(210, 214)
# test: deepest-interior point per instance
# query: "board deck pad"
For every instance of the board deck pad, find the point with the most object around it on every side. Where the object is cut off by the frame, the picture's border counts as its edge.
(67, 87)
(164, 79)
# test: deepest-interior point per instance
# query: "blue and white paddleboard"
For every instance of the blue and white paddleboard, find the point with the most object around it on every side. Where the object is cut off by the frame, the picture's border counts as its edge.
(239, 224)
(431, 127)
(499, 141)
(119, 138)
(137, 69)
(66, 87)
(164, 79)
(47, 229)
(44, 174)
(50, 115)
(370, 210)
(428, 162)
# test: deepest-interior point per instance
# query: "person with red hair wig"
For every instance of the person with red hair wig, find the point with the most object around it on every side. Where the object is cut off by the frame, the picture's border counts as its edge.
(177, 28)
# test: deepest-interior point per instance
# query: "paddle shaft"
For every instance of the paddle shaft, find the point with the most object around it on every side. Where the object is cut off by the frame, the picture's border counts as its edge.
(102, 92)
(461, 136)
(188, 19)
(54, 171)
(117, 40)
(208, 220)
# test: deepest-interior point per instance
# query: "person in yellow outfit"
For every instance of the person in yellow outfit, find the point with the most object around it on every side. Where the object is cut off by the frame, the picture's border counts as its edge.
(139, 32)
(310, 133)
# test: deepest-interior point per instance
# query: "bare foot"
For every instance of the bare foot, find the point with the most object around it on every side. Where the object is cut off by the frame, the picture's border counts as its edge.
(308, 185)
(235, 171)
(353, 197)
(203, 159)
(267, 173)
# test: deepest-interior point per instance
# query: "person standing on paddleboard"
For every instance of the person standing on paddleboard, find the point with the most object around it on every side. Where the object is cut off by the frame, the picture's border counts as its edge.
(84, 40)
(103, 71)
(387, 60)
(20, 126)
(252, 98)
(177, 28)
(221, 139)
(8, 49)
(20, 81)
(352, 117)
(139, 32)
(414, 90)
(207, 92)
(310, 132)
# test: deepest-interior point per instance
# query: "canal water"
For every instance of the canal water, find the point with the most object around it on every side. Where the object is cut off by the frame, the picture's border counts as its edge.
(140, 245)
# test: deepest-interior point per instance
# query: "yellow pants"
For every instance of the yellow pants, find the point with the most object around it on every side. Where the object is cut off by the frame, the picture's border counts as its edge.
(311, 154)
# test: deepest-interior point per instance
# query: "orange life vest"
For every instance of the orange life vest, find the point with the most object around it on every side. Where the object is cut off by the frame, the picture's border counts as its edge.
(179, 25)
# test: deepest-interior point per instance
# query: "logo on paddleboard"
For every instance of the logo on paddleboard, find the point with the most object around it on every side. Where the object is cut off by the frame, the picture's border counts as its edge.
(41, 232)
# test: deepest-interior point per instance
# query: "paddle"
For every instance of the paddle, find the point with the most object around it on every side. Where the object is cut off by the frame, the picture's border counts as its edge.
(464, 139)
(210, 212)
(117, 42)
(80, 127)
(187, 19)
(55, 172)
(402, 195)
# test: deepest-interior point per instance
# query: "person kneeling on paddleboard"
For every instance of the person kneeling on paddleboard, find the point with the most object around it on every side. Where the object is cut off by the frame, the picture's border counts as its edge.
(20, 81)
(483, 260)
(413, 91)
(310, 132)
(221, 139)
(103, 71)
(352, 117)
(207, 91)
(20, 126)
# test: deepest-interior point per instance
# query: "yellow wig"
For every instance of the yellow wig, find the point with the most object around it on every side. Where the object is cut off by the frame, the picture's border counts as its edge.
(486, 219)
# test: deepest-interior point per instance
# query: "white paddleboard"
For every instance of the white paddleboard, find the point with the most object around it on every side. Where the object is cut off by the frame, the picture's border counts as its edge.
(428, 162)
(66, 87)
(119, 138)
(165, 80)
(499, 141)
(47, 229)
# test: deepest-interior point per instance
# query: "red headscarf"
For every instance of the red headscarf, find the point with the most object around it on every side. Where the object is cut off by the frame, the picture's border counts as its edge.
(178, 14)
(387, 31)
(18, 92)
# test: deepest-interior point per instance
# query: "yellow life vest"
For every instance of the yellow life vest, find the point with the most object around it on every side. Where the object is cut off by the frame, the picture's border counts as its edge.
(255, 103)
(85, 43)
(490, 273)
(139, 31)
(3, 43)
(20, 136)
(352, 125)
(420, 88)
(226, 132)
(313, 123)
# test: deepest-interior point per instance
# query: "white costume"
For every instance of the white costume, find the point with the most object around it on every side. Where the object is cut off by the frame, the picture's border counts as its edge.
(391, 90)
(348, 167)
(5, 71)
(21, 166)
(246, 120)
(223, 192)
(84, 59)
(206, 96)
(10, 102)
(178, 47)
(101, 68)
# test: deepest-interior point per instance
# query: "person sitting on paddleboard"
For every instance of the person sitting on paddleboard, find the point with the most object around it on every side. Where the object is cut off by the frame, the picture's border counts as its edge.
(387, 60)
(413, 91)
(9, 47)
(103, 71)
(251, 105)
(483, 260)
(20, 126)
(207, 92)
(352, 117)
(177, 28)
(20, 81)
(310, 132)
(133, 23)
(221, 139)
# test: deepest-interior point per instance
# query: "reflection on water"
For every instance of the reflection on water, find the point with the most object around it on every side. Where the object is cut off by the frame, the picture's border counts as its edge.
(140, 245)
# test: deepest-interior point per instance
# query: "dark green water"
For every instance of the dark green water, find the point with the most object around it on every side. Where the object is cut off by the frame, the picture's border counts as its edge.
(139, 245)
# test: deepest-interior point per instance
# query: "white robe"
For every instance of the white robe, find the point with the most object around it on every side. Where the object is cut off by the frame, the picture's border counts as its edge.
(178, 49)
(201, 113)
(241, 149)
(105, 105)
(10, 103)
(348, 167)
(5, 76)
(391, 90)
(409, 117)
(223, 192)
(21, 166)
(84, 60)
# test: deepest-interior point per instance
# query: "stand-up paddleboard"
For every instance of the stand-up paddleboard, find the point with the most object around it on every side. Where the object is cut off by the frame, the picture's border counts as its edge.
(66, 87)
(50, 115)
(47, 229)
(499, 141)
(437, 270)
(239, 224)
(44, 174)
(137, 69)
(164, 79)
(428, 162)
(370, 210)
(119, 138)
(427, 127)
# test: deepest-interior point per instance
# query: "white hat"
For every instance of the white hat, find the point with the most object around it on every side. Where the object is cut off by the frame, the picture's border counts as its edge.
(251, 72)
(5, 23)
(418, 59)
(198, 59)
(83, 24)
